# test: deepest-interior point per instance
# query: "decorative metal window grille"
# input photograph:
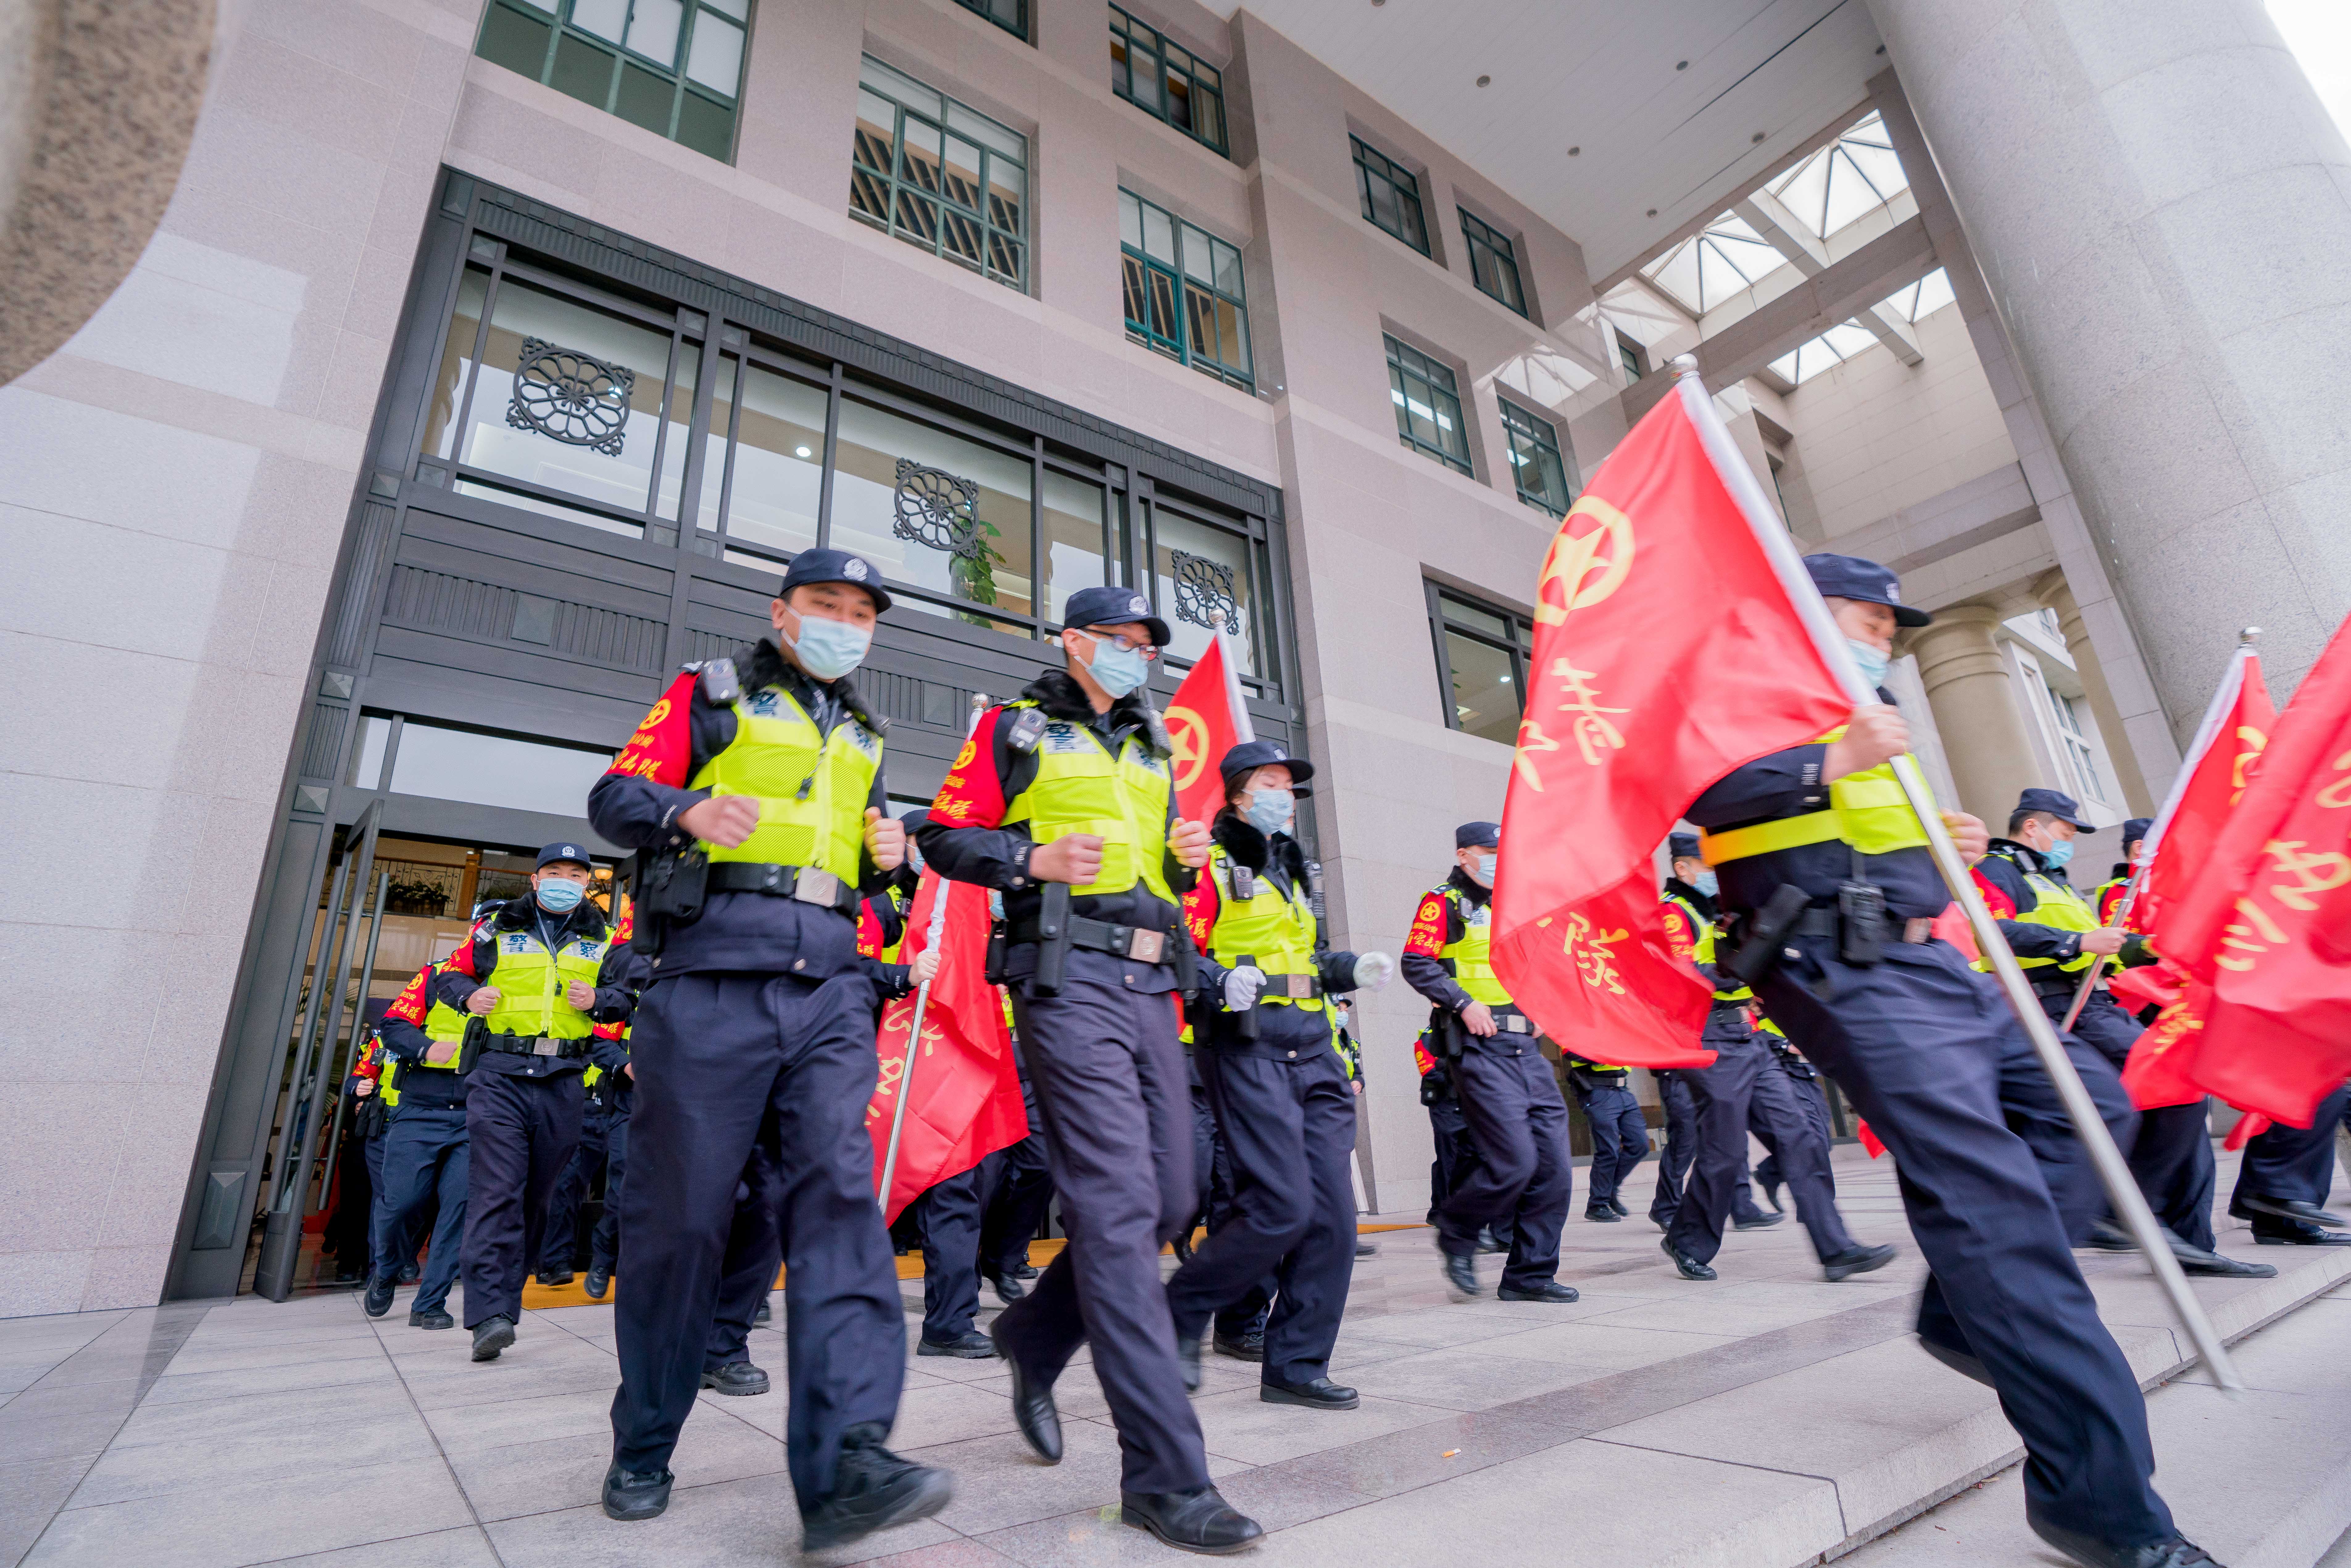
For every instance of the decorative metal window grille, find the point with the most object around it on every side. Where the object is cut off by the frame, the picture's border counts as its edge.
(1536, 462)
(1205, 593)
(1493, 261)
(571, 397)
(942, 177)
(1185, 294)
(1391, 194)
(936, 508)
(1428, 405)
(1165, 80)
(674, 67)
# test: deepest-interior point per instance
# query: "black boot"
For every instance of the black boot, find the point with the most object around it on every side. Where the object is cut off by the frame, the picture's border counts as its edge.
(430, 1318)
(1619, 1205)
(1601, 1214)
(1549, 1290)
(1321, 1393)
(1759, 1220)
(554, 1278)
(969, 1345)
(738, 1378)
(492, 1335)
(2174, 1552)
(1242, 1347)
(1008, 1287)
(378, 1300)
(1198, 1520)
(635, 1494)
(1691, 1269)
(1855, 1260)
(1032, 1403)
(1461, 1273)
(872, 1489)
(598, 1281)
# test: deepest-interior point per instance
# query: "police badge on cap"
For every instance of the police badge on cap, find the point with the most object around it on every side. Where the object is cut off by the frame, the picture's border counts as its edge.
(1113, 606)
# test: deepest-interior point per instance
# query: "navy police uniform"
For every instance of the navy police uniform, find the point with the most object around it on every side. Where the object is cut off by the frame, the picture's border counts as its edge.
(427, 1154)
(2286, 1176)
(1620, 1133)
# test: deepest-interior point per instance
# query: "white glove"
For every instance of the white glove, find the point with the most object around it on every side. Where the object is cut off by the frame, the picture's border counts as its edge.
(1374, 970)
(1241, 987)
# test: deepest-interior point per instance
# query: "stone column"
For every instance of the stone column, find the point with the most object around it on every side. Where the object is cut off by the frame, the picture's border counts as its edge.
(1972, 692)
(2157, 201)
(2052, 589)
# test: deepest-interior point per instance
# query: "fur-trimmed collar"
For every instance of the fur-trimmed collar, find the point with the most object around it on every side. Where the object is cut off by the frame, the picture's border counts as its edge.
(762, 663)
(585, 919)
(1057, 695)
(1470, 887)
(1240, 839)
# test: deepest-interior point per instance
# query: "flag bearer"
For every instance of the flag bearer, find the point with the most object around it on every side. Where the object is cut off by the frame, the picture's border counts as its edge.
(756, 783)
(1919, 1041)
(1510, 1099)
(1063, 801)
(1283, 1101)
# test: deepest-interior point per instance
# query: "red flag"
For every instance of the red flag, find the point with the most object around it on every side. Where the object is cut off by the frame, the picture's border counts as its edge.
(2179, 848)
(2161, 1070)
(1634, 705)
(1869, 1140)
(1206, 719)
(2266, 921)
(965, 1101)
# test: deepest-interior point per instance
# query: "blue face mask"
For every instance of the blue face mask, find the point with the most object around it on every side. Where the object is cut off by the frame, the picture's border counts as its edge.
(558, 897)
(830, 649)
(1270, 812)
(1117, 670)
(1486, 869)
(2058, 853)
(1874, 664)
(1706, 883)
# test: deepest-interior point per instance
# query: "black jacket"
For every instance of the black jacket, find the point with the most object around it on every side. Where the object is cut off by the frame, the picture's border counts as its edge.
(475, 964)
(1422, 969)
(1282, 1031)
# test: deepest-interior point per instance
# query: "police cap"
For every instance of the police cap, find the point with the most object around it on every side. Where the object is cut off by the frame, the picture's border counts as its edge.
(1254, 753)
(834, 566)
(1112, 607)
(1477, 836)
(553, 853)
(1683, 846)
(1850, 576)
(2136, 828)
(912, 820)
(2057, 803)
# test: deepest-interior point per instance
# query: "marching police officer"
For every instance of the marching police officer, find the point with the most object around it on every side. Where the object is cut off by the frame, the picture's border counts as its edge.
(604, 1242)
(755, 784)
(1264, 1043)
(1063, 801)
(1019, 1192)
(2056, 936)
(1744, 1080)
(1620, 1134)
(2108, 895)
(1509, 1100)
(1919, 1041)
(2285, 1179)
(427, 1151)
(590, 1158)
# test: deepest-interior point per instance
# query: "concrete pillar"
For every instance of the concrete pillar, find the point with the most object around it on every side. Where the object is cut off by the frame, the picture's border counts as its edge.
(2162, 209)
(1972, 691)
(2052, 589)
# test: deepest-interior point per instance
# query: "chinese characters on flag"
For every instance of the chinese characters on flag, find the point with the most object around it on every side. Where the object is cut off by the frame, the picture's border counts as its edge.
(1667, 652)
(1206, 719)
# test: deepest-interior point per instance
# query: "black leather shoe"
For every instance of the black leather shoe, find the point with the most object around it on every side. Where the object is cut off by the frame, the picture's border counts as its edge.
(739, 1378)
(1187, 1361)
(1461, 1273)
(1855, 1260)
(2214, 1264)
(597, 1283)
(873, 1489)
(2176, 1551)
(1601, 1215)
(1549, 1290)
(555, 1279)
(2281, 1233)
(2293, 1208)
(1009, 1290)
(1759, 1220)
(969, 1345)
(1247, 1347)
(1198, 1520)
(1621, 1212)
(410, 1273)
(635, 1494)
(1489, 1242)
(1364, 1248)
(1691, 1269)
(1032, 1404)
(430, 1318)
(1321, 1393)
(766, 1314)
(1025, 1271)
(2108, 1237)
(492, 1335)
(1770, 1190)
(378, 1300)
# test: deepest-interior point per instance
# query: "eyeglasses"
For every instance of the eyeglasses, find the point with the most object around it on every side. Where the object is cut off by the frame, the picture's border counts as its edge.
(1144, 646)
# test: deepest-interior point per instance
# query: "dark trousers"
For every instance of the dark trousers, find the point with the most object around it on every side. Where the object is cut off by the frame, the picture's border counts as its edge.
(1619, 1137)
(949, 1215)
(755, 1250)
(1924, 1045)
(1457, 1156)
(523, 1132)
(2290, 1164)
(605, 1246)
(426, 1158)
(770, 1076)
(1288, 1129)
(1816, 1108)
(1519, 1125)
(1681, 1146)
(561, 1253)
(2171, 1152)
(2037, 1116)
(1744, 1080)
(1019, 1193)
(1108, 1076)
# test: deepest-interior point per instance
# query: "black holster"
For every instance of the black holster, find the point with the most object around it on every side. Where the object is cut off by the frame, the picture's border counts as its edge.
(1447, 1033)
(1762, 934)
(672, 888)
(1245, 1024)
(1052, 940)
(477, 1036)
(998, 941)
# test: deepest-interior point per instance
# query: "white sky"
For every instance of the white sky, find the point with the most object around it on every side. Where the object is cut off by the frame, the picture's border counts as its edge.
(2319, 33)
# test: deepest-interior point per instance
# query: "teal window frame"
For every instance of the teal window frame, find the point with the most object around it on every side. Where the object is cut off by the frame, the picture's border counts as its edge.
(1171, 74)
(1179, 282)
(571, 53)
(924, 201)
(1537, 455)
(1426, 394)
(1013, 15)
(1493, 261)
(1391, 196)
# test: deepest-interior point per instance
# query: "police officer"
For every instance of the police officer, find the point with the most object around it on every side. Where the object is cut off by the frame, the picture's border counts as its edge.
(757, 784)
(1019, 1193)
(588, 1161)
(1920, 1041)
(1509, 1100)
(427, 1151)
(1744, 1080)
(2108, 897)
(1062, 800)
(1680, 1116)
(621, 1100)
(1265, 1043)
(1620, 1134)
(2056, 937)
(2286, 1176)
(1809, 1098)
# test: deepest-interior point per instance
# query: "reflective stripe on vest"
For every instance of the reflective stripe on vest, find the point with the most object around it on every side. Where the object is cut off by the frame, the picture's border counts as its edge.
(530, 982)
(1274, 929)
(2061, 909)
(1866, 810)
(1704, 928)
(811, 790)
(1470, 961)
(1080, 789)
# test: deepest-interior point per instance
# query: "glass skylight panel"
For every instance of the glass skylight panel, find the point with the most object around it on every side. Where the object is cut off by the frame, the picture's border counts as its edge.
(1714, 264)
(1829, 350)
(1924, 298)
(1849, 178)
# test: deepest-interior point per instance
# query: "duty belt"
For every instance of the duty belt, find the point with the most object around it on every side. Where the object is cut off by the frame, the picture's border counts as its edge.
(1513, 1022)
(801, 885)
(1138, 942)
(1292, 988)
(1821, 920)
(535, 1045)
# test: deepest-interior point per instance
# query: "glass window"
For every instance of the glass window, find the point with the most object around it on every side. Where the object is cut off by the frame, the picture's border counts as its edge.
(1391, 194)
(367, 756)
(674, 67)
(1719, 261)
(1073, 540)
(1165, 80)
(1493, 263)
(1428, 408)
(1013, 15)
(2072, 735)
(1482, 656)
(493, 770)
(1185, 293)
(1535, 460)
(1825, 352)
(1628, 354)
(1201, 584)
(1849, 178)
(778, 477)
(934, 510)
(942, 177)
